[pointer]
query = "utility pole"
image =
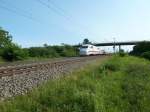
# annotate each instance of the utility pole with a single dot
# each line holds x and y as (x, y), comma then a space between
(114, 46)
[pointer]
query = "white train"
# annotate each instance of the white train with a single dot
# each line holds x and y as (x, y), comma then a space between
(88, 49)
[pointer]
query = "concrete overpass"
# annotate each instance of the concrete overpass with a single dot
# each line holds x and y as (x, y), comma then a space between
(114, 44)
(117, 43)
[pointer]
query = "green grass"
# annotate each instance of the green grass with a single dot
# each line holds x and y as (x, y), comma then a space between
(120, 84)
(1, 61)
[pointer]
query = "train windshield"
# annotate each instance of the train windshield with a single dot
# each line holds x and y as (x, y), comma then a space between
(84, 47)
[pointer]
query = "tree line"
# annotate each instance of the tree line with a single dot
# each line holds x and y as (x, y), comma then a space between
(142, 50)
(11, 51)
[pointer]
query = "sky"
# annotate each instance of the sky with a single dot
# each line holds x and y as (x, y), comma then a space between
(70, 21)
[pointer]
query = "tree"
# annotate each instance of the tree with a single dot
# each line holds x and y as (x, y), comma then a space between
(5, 38)
(13, 52)
(141, 48)
(146, 55)
(8, 50)
(122, 53)
(45, 45)
(86, 41)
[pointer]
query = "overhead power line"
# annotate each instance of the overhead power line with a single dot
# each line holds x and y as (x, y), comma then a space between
(69, 17)
(16, 8)
(51, 8)
(26, 14)
(58, 10)
(18, 11)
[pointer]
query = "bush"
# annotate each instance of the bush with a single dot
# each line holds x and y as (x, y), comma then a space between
(8, 50)
(112, 65)
(122, 53)
(68, 51)
(52, 51)
(135, 86)
(13, 53)
(141, 48)
(146, 55)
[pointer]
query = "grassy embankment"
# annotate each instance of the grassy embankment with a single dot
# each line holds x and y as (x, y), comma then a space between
(121, 84)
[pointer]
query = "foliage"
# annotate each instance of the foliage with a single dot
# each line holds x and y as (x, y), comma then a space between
(141, 48)
(146, 55)
(89, 90)
(68, 51)
(52, 51)
(111, 65)
(8, 50)
(13, 52)
(86, 41)
(5, 38)
(41, 52)
(122, 53)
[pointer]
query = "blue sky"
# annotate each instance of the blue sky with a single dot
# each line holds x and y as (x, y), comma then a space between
(70, 21)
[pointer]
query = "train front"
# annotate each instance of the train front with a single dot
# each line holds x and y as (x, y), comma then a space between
(84, 50)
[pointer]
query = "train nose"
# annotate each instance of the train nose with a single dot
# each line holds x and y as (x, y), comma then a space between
(83, 52)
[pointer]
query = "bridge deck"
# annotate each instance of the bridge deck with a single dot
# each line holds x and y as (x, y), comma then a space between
(117, 43)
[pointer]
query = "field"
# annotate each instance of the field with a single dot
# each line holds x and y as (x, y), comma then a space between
(119, 84)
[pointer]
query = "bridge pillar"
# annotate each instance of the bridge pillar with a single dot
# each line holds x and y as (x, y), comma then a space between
(114, 48)
(119, 48)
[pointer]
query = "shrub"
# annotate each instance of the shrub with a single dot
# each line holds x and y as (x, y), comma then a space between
(112, 66)
(135, 86)
(8, 50)
(45, 52)
(11, 52)
(68, 51)
(52, 51)
(141, 48)
(14, 52)
(122, 53)
(146, 55)
(137, 70)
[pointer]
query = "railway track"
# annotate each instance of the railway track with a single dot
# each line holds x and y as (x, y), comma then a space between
(8, 70)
